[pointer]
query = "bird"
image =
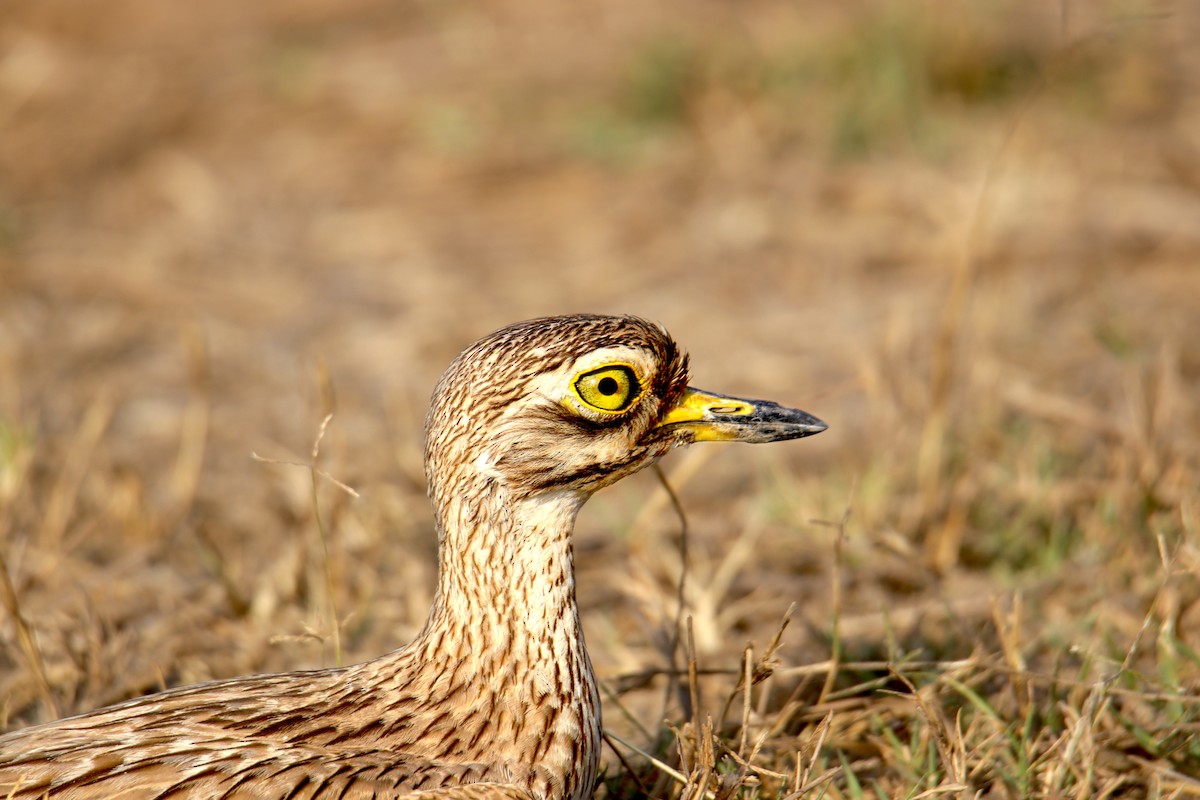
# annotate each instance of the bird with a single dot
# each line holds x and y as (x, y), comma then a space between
(495, 697)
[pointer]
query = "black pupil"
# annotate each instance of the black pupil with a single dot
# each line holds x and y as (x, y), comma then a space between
(608, 386)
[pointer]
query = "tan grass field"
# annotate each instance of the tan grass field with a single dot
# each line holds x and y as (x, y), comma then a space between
(966, 235)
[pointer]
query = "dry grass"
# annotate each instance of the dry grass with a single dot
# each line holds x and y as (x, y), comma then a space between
(965, 235)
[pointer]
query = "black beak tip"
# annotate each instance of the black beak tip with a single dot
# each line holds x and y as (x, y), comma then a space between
(798, 423)
(810, 427)
(775, 423)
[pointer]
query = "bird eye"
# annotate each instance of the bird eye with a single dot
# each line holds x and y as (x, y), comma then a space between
(611, 388)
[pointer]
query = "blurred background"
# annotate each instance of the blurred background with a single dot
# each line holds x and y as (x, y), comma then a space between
(964, 234)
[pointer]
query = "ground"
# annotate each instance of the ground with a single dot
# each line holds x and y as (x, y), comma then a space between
(964, 235)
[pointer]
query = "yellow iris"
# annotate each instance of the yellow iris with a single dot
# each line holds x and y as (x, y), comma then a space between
(610, 388)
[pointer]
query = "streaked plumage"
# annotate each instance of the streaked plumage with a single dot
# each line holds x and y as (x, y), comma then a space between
(495, 698)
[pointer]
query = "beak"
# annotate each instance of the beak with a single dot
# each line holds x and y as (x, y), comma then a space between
(709, 417)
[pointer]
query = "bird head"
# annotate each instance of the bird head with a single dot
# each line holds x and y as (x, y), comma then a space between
(576, 403)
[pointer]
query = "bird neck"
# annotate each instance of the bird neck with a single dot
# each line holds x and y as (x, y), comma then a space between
(504, 635)
(507, 575)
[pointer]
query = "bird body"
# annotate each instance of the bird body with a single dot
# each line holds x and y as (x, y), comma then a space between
(495, 698)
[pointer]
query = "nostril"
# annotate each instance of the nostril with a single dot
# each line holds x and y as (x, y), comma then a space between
(726, 409)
